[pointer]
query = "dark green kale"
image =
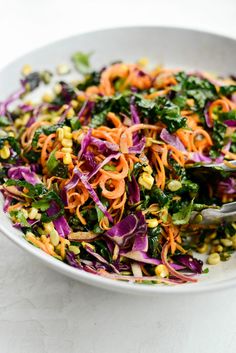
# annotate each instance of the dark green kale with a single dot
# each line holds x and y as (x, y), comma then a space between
(56, 167)
(201, 90)
(41, 197)
(161, 109)
(154, 241)
(91, 79)
(47, 130)
(117, 104)
(158, 196)
(218, 135)
(227, 90)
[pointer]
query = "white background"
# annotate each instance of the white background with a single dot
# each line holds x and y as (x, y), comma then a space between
(44, 312)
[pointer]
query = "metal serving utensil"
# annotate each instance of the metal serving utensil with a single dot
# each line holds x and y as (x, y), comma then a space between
(208, 216)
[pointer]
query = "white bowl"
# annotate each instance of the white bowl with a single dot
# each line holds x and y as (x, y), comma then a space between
(173, 47)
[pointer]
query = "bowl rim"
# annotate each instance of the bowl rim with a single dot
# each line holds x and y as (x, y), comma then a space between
(93, 279)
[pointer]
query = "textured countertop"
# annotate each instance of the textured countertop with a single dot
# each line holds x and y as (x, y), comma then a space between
(42, 311)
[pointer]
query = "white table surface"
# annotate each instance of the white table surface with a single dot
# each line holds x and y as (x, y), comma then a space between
(42, 311)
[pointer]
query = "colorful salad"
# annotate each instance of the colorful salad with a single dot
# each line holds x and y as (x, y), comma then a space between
(104, 173)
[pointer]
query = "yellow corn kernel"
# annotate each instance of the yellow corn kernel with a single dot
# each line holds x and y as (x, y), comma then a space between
(49, 227)
(11, 134)
(67, 159)
(68, 135)
(67, 143)
(47, 97)
(44, 239)
(202, 249)
(67, 128)
(74, 249)
(65, 241)
(54, 237)
(213, 259)
(74, 103)
(67, 150)
(5, 152)
(70, 113)
(25, 119)
(174, 185)
(25, 213)
(77, 135)
(161, 271)
(152, 222)
(81, 98)
(33, 213)
(146, 180)
(60, 134)
(26, 70)
(58, 248)
(63, 69)
(29, 234)
(147, 169)
(57, 88)
(18, 123)
(38, 216)
(55, 119)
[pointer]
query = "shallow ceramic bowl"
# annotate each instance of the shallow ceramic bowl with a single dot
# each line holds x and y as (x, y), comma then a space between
(172, 47)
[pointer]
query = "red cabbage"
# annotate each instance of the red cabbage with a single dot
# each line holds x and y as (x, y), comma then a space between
(198, 157)
(90, 250)
(82, 110)
(192, 264)
(7, 202)
(134, 112)
(184, 278)
(90, 163)
(104, 162)
(138, 147)
(227, 146)
(227, 186)
(133, 190)
(123, 231)
(77, 174)
(35, 114)
(23, 173)
(12, 98)
(141, 239)
(84, 180)
(85, 111)
(25, 108)
(172, 140)
(29, 83)
(140, 256)
(60, 224)
(230, 123)
(104, 146)
(209, 123)
(71, 259)
(130, 233)
(85, 143)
